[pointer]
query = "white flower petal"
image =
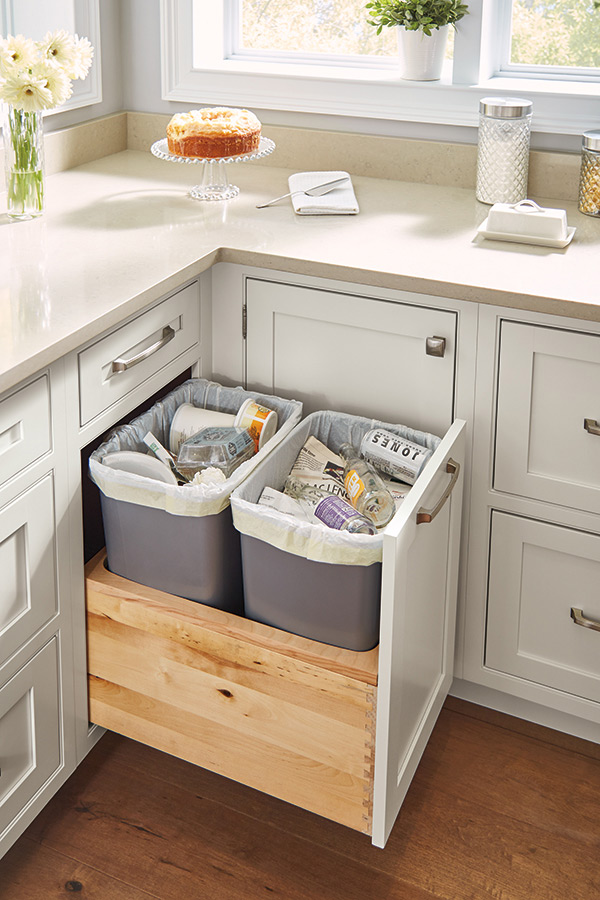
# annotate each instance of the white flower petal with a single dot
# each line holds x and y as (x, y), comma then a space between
(16, 52)
(84, 53)
(58, 47)
(25, 91)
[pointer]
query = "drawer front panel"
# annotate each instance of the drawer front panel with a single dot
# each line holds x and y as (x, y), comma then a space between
(340, 351)
(28, 594)
(124, 359)
(538, 572)
(29, 732)
(24, 427)
(549, 384)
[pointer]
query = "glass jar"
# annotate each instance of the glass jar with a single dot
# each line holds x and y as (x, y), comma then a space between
(589, 179)
(503, 149)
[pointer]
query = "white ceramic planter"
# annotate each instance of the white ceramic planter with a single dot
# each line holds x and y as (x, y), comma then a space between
(421, 55)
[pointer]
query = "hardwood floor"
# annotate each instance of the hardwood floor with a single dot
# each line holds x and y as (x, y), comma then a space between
(499, 809)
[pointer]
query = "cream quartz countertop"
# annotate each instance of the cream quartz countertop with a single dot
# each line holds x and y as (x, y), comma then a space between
(120, 232)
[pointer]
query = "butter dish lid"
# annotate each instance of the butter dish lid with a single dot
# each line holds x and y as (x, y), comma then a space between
(528, 218)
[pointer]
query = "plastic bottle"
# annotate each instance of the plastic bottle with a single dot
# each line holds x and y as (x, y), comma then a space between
(328, 508)
(368, 494)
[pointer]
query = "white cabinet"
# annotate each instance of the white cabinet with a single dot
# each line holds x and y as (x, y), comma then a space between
(534, 540)
(539, 573)
(121, 361)
(364, 355)
(29, 733)
(28, 586)
(36, 678)
(548, 431)
(24, 427)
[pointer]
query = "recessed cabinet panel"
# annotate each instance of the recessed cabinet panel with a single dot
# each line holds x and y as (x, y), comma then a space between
(363, 356)
(125, 358)
(29, 732)
(538, 573)
(28, 596)
(548, 430)
(24, 427)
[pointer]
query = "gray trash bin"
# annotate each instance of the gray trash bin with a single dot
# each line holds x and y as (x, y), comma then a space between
(179, 539)
(300, 577)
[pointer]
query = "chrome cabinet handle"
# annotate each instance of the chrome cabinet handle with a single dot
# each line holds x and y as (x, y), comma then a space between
(121, 365)
(591, 426)
(579, 619)
(424, 516)
(435, 346)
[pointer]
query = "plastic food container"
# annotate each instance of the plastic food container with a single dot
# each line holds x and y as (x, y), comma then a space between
(220, 448)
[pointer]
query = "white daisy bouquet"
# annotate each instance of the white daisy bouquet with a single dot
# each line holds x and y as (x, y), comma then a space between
(34, 75)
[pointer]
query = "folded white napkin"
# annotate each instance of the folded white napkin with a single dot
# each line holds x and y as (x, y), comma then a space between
(339, 201)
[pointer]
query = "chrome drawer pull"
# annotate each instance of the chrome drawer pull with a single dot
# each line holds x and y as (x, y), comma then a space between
(121, 365)
(579, 619)
(424, 516)
(591, 426)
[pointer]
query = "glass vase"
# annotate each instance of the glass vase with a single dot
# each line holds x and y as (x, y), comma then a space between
(23, 162)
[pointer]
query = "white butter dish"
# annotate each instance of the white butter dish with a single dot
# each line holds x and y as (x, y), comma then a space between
(556, 243)
(528, 219)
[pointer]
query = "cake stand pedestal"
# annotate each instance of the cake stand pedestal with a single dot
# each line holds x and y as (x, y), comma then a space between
(215, 184)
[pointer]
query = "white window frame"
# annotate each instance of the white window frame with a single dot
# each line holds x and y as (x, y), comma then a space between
(564, 107)
(86, 15)
(504, 67)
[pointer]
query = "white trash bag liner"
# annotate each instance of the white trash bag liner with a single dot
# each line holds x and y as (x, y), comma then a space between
(313, 540)
(190, 499)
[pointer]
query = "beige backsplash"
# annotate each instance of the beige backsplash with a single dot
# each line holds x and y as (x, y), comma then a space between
(551, 175)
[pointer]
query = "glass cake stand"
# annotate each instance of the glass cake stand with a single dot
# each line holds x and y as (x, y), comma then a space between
(214, 185)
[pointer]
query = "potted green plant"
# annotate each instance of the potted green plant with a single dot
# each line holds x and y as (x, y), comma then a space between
(422, 32)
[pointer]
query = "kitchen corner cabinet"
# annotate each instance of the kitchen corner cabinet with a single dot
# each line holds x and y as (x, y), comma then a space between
(310, 724)
(533, 613)
(44, 425)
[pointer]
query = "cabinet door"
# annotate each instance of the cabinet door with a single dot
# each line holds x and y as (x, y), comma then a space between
(28, 594)
(339, 351)
(29, 732)
(538, 573)
(418, 617)
(548, 387)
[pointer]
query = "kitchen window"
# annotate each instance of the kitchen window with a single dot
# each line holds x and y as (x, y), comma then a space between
(211, 55)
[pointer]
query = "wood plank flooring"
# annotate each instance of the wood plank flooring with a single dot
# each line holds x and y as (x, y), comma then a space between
(499, 809)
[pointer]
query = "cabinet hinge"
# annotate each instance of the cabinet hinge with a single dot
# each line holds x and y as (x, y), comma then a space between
(244, 321)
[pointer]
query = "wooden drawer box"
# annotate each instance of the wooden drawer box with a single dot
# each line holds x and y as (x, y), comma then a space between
(283, 714)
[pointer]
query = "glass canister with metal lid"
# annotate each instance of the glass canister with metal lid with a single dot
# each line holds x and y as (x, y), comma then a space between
(589, 178)
(503, 149)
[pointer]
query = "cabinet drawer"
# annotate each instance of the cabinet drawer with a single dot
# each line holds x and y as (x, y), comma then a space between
(283, 714)
(363, 355)
(538, 571)
(29, 732)
(24, 427)
(280, 713)
(124, 359)
(548, 386)
(28, 595)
